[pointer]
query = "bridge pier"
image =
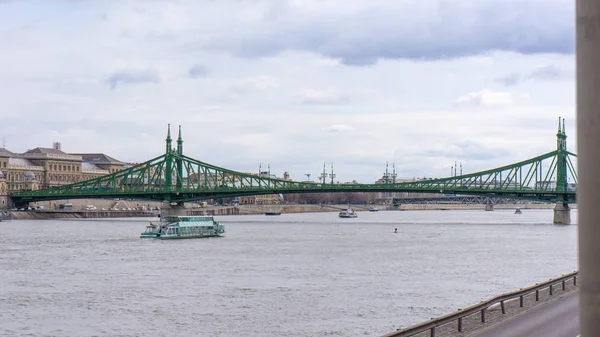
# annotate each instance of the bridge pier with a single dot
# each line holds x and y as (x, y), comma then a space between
(489, 205)
(562, 214)
(167, 209)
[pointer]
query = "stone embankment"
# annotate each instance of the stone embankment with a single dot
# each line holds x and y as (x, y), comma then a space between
(262, 209)
(41, 215)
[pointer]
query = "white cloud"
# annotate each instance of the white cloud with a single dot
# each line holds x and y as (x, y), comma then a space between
(486, 97)
(424, 29)
(179, 62)
(198, 70)
(133, 75)
(261, 82)
(311, 96)
(338, 128)
(546, 72)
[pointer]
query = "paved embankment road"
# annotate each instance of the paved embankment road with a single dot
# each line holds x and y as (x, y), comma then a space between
(559, 318)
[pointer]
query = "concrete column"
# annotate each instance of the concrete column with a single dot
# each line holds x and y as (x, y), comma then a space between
(588, 143)
(562, 214)
(166, 209)
(489, 206)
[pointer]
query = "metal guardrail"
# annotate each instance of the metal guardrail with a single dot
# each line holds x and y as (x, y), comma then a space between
(482, 307)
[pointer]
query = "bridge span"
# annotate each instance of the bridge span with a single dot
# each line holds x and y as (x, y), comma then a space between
(175, 178)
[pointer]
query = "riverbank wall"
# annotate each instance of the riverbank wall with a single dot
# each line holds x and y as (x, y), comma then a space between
(40, 215)
(262, 209)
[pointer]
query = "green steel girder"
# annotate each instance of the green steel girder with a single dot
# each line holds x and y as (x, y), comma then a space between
(175, 177)
(198, 180)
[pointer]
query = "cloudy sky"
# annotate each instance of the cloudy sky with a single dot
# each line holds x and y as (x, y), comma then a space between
(292, 83)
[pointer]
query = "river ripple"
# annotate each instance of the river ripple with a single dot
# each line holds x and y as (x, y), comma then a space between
(292, 275)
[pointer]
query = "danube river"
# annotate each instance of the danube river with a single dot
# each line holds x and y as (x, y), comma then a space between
(309, 274)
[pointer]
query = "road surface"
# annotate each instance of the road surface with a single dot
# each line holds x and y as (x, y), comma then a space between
(559, 318)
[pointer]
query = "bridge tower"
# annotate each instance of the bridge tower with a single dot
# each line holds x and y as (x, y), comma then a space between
(167, 208)
(168, 163)
(179, 161)
(562, 212)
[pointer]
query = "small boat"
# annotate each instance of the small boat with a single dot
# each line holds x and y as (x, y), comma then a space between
(373, 209)
(347, 213)
(273, 213)
(184, 227)
(5, 216)
(518, 211)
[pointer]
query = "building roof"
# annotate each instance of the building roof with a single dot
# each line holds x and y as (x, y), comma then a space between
(98, 158)
(44, 150)
(21, 162)
(5, 153)
(87, 166)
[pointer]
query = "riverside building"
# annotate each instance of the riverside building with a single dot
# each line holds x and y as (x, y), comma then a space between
(47, 167)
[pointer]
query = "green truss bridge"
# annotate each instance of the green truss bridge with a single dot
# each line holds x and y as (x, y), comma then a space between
(176, 178)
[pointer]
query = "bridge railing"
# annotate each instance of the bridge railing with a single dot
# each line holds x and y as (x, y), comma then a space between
(482, 307)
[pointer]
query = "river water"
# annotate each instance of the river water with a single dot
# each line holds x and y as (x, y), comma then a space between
(310, 274)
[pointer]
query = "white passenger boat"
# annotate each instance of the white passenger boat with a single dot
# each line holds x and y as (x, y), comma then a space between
(184, 227)
(348, 213)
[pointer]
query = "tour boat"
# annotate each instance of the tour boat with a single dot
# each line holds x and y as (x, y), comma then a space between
(184, 227)
(347, 213)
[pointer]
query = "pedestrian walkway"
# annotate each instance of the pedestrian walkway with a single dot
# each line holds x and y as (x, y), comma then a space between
(472, 325)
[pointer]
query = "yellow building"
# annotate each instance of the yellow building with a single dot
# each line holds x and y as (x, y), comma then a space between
(47, 167)
(3, 192)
